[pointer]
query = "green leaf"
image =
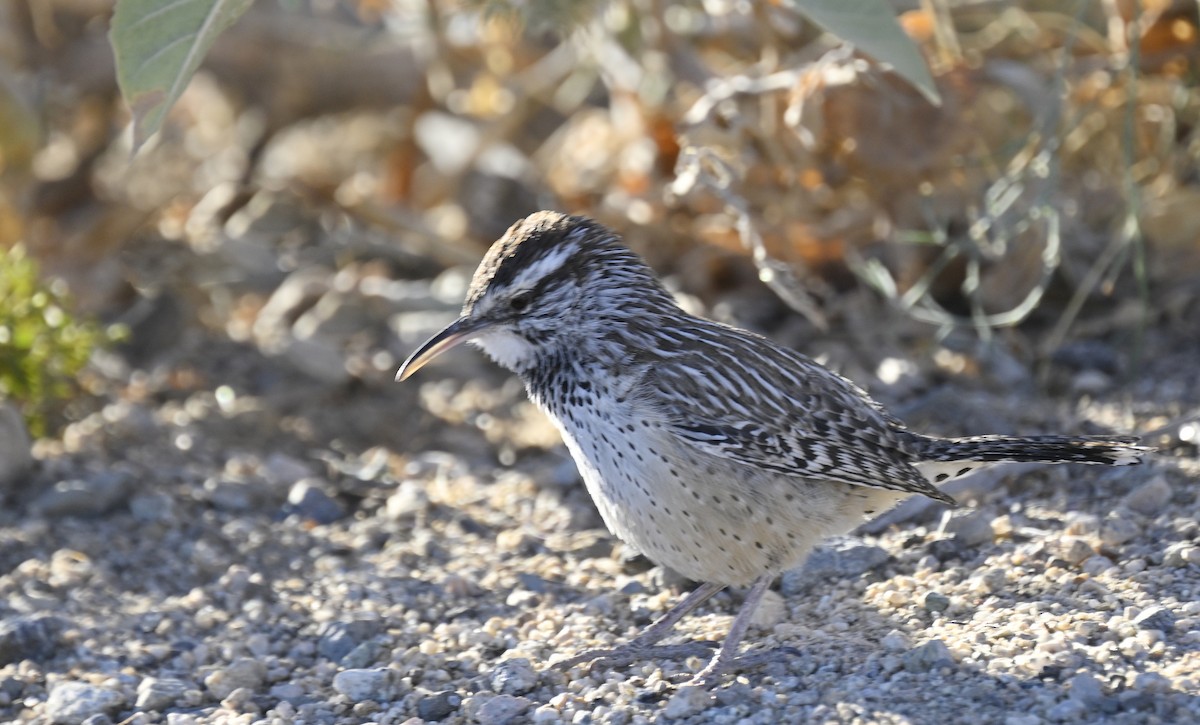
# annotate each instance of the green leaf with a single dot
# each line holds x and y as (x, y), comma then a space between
(870, 26)
(158, 45)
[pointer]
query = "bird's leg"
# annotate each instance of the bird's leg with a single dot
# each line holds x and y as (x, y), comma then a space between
(643, 645)
(727, 655)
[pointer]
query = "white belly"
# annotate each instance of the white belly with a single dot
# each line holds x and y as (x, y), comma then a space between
(706, 517)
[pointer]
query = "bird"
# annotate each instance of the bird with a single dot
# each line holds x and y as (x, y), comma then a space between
(709, 449)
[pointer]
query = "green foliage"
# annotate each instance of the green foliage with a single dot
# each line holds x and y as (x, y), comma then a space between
(42, 348)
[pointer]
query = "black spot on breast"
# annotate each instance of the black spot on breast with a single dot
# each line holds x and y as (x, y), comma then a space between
(941, 477)
(965, 471)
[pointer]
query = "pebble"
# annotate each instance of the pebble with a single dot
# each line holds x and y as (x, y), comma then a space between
(71, 703)
(771, 610)
(687, 701)
(339, 638)
(1149, 498)
(31, 637)
(90, 496)
(971, 529)
(833, 560)
(932, 655)
(364, 684)
(318, 358)
(936, 602)
(1086, 690)
(1117, 531)
(438, 705)
(242, 672)
(1075, 550)
(500, 710)
(408, 499)
(1181, 553)
(1156, 617)
(308, 499)
(16, 452)
(1067, 711)
(159, 693)
(894, 641)
(514, 677)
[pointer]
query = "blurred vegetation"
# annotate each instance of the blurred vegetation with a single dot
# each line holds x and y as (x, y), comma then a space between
(1057, 187)
(42, 348)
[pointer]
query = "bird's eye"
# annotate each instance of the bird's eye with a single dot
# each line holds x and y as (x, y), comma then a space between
(520, 301)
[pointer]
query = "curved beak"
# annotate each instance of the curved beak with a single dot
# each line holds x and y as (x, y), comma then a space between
(454, 334)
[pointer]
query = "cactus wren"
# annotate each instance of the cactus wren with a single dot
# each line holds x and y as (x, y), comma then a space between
(710, 449)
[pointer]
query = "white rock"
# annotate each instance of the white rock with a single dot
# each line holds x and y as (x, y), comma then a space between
(687, 701)
(73, 702)
(364, 684)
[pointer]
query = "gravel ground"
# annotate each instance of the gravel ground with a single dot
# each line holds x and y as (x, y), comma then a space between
(248, 533)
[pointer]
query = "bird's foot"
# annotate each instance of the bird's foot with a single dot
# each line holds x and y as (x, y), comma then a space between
(634, 652)
(717, 668)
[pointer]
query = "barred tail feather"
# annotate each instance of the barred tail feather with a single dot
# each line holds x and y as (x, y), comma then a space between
(1105, 450)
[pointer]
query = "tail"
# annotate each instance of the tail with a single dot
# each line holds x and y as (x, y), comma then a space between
(1105, 450)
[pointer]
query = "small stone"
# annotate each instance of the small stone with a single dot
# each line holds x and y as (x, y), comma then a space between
(409, 499)
(833, 560)
(514, 677)
(1151, 683)
(1086, 690)
(242, 672)
(687, 701)
(71, 703)
(771, 610)
(83, 497)
(361, 656)
(289, 692)
(1156, 617)
(338, 639)
(945, 549)
(364, 684)
(932, 655)
(159, 693)
(1117, 531)
(233, 494)
(972, 529)
(240, 700)
(1080, 523)
(1022, 720)
(280, 469)
(936, 602)
(1075, 550)
(1149, 498)
(30, 637)
(152, 507)
(501, 710)
(308, 499)
(1090, 382)
(1181, 553)
(439, 705)
(894, 641)
(1096, 565)
(1067, 711)
(319, 358)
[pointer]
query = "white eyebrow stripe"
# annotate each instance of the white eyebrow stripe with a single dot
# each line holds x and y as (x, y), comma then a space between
(529, 276)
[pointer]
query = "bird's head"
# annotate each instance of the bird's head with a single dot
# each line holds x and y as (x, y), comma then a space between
(547, 279)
